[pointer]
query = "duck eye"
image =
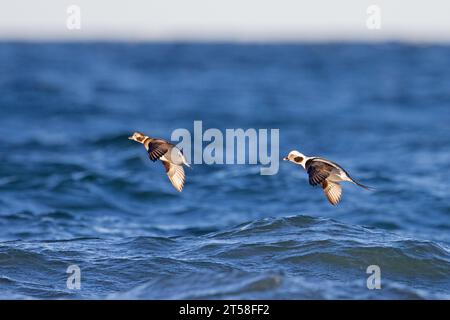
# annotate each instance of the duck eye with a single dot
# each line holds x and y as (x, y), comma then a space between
(298, 159)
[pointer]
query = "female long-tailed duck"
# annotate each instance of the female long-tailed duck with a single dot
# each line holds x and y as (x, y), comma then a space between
(325, 173)
(171, 157)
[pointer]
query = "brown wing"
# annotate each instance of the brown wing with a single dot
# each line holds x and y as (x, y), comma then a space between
(175, 174)
(333, 191)
(157, 148)
(318, 172)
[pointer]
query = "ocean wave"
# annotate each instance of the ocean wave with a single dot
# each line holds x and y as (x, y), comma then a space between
(293, 257)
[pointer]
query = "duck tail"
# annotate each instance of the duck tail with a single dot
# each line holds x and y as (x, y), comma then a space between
(363, 186)
(187, 164)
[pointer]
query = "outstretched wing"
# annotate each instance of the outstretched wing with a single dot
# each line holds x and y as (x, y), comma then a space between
(157, 148)
(333, 191)
(175, 174)
(318, 172)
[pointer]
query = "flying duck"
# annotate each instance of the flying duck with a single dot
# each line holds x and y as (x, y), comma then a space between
(171, 157)
(325, 173)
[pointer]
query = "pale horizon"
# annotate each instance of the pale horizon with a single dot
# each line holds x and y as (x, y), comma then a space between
(207, 20)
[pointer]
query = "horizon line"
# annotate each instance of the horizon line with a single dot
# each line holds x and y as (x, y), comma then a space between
(231, 40)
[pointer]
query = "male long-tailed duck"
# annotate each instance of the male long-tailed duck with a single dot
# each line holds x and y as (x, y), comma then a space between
(325, 173)
(171, 157)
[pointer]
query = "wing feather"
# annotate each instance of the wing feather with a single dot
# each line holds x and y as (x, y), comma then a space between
(157, 148)
(318, 172)
(176, 174)
(333, 191)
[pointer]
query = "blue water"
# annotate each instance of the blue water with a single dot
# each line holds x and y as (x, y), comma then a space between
(74, 190)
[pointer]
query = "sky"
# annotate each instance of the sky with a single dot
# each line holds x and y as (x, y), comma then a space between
(229, 20)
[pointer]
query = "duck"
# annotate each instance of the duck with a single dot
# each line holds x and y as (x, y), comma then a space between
(326, 173)
(171, 157)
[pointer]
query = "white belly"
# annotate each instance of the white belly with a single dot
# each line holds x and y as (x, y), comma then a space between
(338, 176)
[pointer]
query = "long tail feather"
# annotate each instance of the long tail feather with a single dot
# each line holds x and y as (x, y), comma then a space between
(363, 186)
